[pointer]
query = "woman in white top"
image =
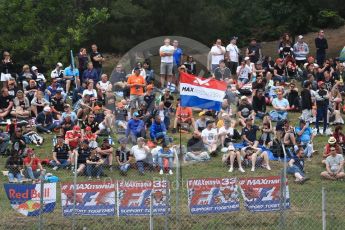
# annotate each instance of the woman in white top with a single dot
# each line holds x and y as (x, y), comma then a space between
(89, 89)
(104, 85)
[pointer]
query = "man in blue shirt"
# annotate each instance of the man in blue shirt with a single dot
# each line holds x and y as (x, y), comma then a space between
(177, 56)
(90, 73)
(135, 128)
(305, 137)
(158, 129)
(71, 75)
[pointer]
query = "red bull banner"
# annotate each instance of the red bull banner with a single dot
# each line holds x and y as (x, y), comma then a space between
(214, 195)
(91, 199)
(262, 194)
(25, 198)
(134, 198)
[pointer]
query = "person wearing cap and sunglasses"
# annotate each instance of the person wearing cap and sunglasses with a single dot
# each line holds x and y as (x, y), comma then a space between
(334, 166)
(61, 154)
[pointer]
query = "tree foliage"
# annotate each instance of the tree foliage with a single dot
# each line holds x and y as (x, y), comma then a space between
(43, 31)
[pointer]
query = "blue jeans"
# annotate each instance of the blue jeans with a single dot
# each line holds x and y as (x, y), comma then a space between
(124, 168)
(11, 177)
(294, 169)
(170, 159)
(321, 114)
(41, 128)
(94, 170)
(63, 163)
(140, 166)
(278, 115)
(29, 173)
(243, 80)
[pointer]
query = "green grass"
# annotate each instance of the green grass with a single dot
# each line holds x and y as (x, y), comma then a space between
(305, 212)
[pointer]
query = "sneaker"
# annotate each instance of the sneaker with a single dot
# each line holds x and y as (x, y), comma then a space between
(253, 169)
(231, 169)
(170, 172)
(241, 170)
(161, 172)
(89, 178)
(55, 168)
(268, 168)
(98, 178)
(49, 131)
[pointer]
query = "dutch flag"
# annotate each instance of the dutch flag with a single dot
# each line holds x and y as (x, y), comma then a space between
(205, 93)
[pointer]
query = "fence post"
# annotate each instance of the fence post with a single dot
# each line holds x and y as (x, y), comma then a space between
(151, 211)
(323, 208)
(40, 227)
(167, 198)
(178, 184)
(74, 189)
(283, 191)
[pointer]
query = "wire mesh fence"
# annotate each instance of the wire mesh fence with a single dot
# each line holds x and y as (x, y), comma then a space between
(168, 202)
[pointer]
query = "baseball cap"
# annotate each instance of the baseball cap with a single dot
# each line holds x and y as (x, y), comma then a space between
(76, 128)
(136, 68)
(300, 37)
(234, 38)
(47, 109)
(202, 113)
(88, 128)
(246, 58)
(59, 64)
(33, 68)
(136, 114)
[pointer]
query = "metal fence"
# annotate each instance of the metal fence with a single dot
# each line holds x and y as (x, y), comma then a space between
(309, 209)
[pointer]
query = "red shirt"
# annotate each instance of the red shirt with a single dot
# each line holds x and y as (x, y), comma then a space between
(71, 135)
(34, 164)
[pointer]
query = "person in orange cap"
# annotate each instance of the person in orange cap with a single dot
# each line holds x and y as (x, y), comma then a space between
(149, 98)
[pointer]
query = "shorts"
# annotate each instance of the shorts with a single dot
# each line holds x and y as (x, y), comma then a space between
(166, 68)
(136, 100)
(5, 76)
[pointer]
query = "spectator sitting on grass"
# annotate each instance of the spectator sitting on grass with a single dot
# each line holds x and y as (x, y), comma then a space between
(165, 153)
(334, 166)
(256, 157)
(82, 153)
(332, 142)
(296, 167)
(210, 137)
(201, 122)
(94, 165)
(158, 130)
(135, 128)
(196, 150)
(106, 152)
(140, 153)
(14, 164)
(123, 156)
(281, 106)
(44, 121)
(61, 154)
(33, 168)
(73, 137)
(305, 137)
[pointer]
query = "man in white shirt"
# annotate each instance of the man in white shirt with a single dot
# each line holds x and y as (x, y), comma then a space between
(57, 73)
(243, 72)
(217, 54)
(232, 55)
(210, 137)
(166, 53)
(334, 166)
(140, 153)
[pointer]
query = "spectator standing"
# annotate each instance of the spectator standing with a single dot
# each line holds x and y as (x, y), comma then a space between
(82, 60)
(7, 68)
(166, 53)
(254, 51)
(97, 59)
(322, 102)
(217, 54)
(177, 57)
(321, 47)
(301, 51)
(232, 55)
(136, 82)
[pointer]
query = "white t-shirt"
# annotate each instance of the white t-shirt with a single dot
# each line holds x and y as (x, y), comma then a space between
(167, 49)
(229, 130)
(104, 86)
(138, 153)
(233, 52)
(217, 54)
(211, 135)
(88, 92)
(243, 72)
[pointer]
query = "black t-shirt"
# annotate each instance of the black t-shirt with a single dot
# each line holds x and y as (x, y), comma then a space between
(259, 104)
(221, 74)
(5, 101)
(12, 92)
(94, 158)
(61, 151)
(93, 125)
(280, 70)
(123, 154)
(195, 144)
(255, 48)
(250, 133)
(329, 84)
(83, 154)
(110, 103)
(58, 104)
(96, 64)
(149, 99)
(245, 110)
(299, 162)
(167, 100)
(14, 164)
(121, 114)
(18, 143)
